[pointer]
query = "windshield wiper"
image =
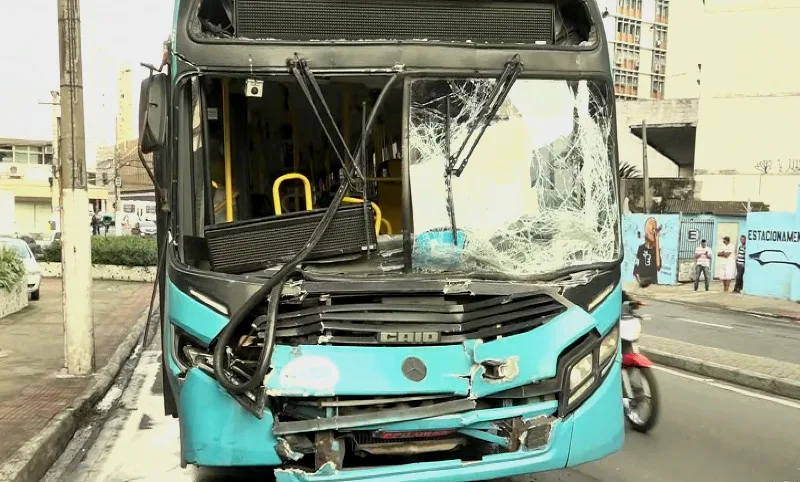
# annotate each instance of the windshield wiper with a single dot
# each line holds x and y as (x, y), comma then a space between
(305, 77)
(488, 110)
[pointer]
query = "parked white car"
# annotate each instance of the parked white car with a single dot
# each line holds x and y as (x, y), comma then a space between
(31, 266)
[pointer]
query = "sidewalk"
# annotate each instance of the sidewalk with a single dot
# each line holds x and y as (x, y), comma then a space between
(32, 388)
(773, 376)
(716, 298)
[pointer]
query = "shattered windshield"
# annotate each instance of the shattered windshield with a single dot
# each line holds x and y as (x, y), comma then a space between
(539, 193)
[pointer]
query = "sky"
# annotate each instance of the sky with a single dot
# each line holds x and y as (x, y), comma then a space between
(114, 33)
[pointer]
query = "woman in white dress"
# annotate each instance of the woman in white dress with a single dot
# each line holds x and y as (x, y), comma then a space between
(728, 260)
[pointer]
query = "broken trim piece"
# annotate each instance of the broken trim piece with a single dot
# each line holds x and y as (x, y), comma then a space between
(350, 421)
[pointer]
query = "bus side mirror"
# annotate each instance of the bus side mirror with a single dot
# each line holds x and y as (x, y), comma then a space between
(153, 110)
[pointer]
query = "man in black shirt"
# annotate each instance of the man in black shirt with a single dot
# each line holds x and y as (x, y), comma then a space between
(740, 265)
(648, 257)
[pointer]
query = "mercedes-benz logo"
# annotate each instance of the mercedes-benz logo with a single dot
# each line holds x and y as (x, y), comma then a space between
(414, 369)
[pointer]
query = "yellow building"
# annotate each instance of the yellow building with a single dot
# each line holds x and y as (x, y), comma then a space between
(26, 171)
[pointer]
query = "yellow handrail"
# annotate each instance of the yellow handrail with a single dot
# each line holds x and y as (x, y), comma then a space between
(276, 194)
(387, 225)
(226, 125)
(375, 208)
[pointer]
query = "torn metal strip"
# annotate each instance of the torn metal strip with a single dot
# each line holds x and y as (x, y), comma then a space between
(351, 421)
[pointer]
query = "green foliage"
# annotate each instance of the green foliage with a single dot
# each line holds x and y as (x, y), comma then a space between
(116, 250)
(627, 171)
(12, 271)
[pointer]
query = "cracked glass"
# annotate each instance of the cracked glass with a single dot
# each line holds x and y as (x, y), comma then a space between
(538, 194)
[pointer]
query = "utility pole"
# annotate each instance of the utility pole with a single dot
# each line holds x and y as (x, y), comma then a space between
(645, 176)
(75, 243)
(118, 214)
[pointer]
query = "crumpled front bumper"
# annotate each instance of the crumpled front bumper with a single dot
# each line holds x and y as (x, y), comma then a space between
(594, 430)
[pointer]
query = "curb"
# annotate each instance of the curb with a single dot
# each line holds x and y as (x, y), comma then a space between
(795, 318)
(783, 387)
(32, 461)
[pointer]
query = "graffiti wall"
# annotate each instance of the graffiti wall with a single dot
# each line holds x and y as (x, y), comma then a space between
(650, 243)
(772, 258)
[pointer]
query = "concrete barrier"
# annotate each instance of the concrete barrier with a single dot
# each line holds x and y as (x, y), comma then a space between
(14, 300)
(107, 272)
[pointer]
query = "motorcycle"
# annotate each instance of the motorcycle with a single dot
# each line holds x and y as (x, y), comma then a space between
(639, 388)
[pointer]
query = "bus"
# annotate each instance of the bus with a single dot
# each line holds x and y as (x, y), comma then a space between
(390, 234)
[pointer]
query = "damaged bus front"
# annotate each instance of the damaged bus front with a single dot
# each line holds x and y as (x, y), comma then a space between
(390, 237)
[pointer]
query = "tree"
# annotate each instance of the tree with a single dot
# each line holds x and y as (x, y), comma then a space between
(628, 171)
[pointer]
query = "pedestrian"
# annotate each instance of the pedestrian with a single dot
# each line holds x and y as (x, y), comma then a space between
(95, 224)
(106, 223)
(728, 260)
(702, 256)
(740, 265)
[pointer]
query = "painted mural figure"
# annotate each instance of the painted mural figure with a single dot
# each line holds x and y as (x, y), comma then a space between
(702, 256)
(740, 265)
(648, 257)
(728, 262)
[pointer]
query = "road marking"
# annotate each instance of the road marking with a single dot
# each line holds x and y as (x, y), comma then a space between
(731, 388)
(687, 320)
(769, 318)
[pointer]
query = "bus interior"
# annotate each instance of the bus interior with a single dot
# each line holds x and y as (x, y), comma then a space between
(268, 148)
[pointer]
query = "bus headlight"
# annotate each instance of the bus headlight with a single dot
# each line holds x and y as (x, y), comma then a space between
(579, 377)
(586, 373)
(608, 347)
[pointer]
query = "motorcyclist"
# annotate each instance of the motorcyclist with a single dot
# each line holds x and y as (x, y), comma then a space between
(631, 302)
(627, 297)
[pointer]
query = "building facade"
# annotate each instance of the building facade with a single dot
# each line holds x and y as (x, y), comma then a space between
(135, 182)
(637, 34)
(28, 174)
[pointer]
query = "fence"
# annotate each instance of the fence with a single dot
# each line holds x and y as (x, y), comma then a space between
(692, 232)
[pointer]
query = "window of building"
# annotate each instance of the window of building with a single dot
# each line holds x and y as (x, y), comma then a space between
(660, 37)
(626, 84)
(6, 153)
(659, 63)
(626, 57)
(628, 30)
(24, 154)
(630, 8)
(658, 88)
(662, 11)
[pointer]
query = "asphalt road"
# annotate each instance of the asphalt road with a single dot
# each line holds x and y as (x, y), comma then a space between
(708, 431)
(737, 332)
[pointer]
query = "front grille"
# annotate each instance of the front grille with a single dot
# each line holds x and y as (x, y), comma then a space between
(349, 321)
(441, 20)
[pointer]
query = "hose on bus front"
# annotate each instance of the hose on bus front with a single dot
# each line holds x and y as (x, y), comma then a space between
(273, 287)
